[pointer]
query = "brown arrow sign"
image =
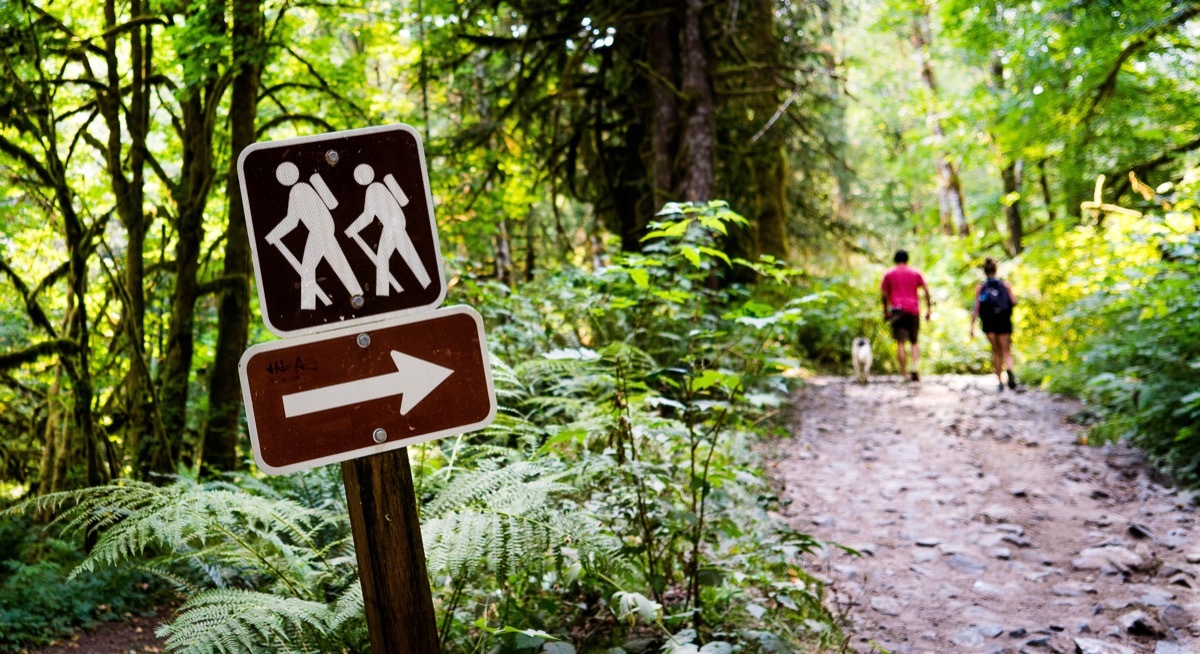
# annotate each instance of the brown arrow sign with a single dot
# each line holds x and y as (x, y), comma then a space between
(335, 396)
(341, 228)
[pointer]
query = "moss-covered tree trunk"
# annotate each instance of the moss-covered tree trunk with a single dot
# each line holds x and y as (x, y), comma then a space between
(142, 428)
(1011, 174)
(198, 106)
(221, 427)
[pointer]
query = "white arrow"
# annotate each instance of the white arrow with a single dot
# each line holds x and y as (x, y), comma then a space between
(414, 379)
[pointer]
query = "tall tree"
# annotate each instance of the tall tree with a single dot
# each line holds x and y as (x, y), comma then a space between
(950, 195)
(636, 104)
(125, 110)
(1011, 173)
(35, 54)
(199, 97)
(221, 428)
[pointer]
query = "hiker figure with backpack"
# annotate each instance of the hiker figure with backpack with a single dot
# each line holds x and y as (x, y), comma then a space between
(994, 302)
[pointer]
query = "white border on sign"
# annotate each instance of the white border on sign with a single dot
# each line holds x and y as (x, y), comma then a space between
(252, 425)
(362, 320)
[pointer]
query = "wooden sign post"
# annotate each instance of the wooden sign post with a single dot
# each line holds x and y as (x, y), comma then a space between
(391, 559)
(349, 274)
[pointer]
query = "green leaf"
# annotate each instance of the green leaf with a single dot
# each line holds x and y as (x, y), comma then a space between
(716, 253)
(674, 296)
(630, 604)
(706, 379)
(673, 229)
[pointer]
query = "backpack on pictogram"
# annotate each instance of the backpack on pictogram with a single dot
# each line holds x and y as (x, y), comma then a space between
(994, 299)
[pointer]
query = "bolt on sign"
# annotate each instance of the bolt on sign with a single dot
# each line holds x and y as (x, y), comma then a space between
(341, 228)
(334, 396)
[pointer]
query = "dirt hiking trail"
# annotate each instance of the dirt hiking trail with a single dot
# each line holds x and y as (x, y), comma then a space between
(984, 525)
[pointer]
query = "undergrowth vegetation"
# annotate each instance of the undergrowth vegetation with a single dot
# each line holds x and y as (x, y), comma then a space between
(617, 499)
(39, 599)
(1116, 320)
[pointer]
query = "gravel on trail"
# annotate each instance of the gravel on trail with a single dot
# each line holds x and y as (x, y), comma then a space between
(985, 525)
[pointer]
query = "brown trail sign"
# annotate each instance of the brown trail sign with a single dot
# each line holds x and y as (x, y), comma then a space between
(341, 227)
(334, 396)
(349, 272)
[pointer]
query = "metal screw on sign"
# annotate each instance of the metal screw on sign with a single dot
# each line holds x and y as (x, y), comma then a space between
(380, 435)
(357, 301)
(332, 157)
(363, 340)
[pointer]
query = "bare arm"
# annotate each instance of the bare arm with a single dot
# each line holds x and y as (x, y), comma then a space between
(1012, 297)
(975, 311)
(928, 302)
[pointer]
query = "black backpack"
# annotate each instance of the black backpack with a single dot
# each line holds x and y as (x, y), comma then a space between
(994, 300)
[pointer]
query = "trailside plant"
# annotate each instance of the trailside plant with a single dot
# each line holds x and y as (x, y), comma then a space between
(616, 498)
(41, 602)
(1116, 320)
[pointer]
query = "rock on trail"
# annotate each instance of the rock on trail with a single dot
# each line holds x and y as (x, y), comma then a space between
(984, 525)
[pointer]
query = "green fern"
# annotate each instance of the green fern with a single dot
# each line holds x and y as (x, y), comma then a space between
(506, 519)
(228, 621)
(259, 567)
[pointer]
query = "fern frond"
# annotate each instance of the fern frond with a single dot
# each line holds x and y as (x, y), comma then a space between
(509, 385)
(635, 360)
(348, 607)
(480, 485)
(508, 424)
(226, 621)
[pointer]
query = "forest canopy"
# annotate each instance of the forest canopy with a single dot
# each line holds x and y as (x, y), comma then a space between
(598, 168)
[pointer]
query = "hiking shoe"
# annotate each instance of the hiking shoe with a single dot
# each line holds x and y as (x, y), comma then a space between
(999, 388)
(1012, 380)
(915, 377)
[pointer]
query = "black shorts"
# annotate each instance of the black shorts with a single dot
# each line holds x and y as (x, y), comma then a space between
(997, 324)
(905, 326)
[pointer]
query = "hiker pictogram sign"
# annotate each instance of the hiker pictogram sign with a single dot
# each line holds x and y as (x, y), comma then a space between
(341, 228)
(339, 395)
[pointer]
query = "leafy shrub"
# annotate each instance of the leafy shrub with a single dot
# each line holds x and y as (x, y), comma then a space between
(41, 601)
(1119, 325)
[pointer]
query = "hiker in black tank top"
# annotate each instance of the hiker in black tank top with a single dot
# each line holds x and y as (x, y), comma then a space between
(994, 302)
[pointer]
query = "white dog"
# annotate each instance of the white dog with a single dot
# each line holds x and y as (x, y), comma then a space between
(860, 353)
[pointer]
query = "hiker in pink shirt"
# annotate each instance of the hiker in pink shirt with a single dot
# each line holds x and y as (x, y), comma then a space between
(902, 309)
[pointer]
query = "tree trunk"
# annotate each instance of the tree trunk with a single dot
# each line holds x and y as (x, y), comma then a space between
(189, 227)
(661, 36)
(699, 125)
(221, 428)
(56, 452)
(771, 187)
(950, 197)
(78, 364)
(503, 254)
(1011, 175)
(1044, 183)
(768, 156)
(198, 105)
(143, 424)
(530, 243)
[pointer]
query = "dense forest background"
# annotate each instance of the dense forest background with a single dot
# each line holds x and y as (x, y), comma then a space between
(668, 213)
